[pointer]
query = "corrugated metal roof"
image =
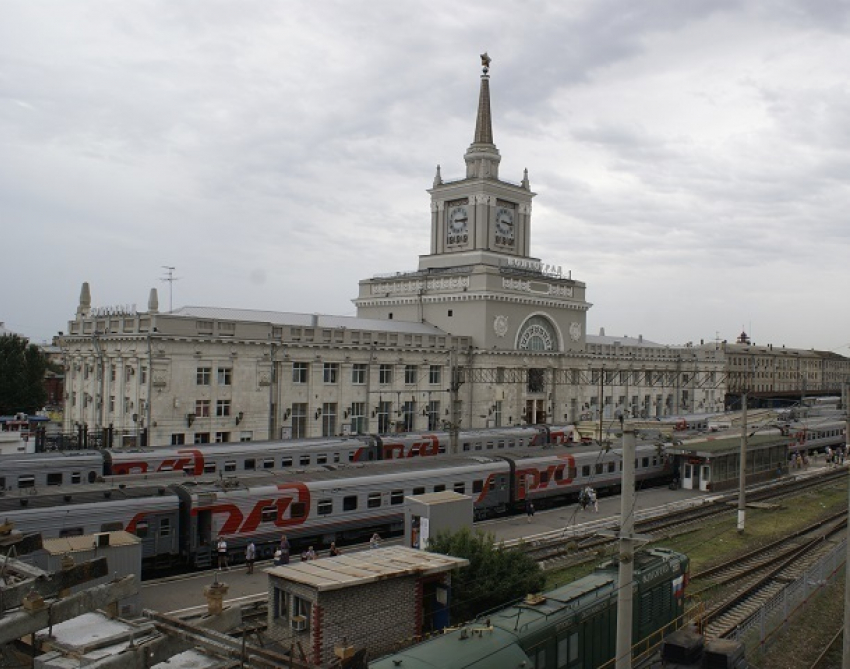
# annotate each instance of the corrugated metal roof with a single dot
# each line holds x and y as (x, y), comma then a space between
(306, 320)
(366, 567)
(86, 542)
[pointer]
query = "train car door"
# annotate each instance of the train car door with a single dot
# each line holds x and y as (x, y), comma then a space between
(568, 655)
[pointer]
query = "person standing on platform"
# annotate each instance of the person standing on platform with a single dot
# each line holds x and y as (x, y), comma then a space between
(250, 556)
(375, 541)
(334, 551)
(529, 510)
(221, 549)
(284, 549)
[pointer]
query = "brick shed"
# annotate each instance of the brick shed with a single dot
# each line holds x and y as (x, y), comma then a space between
(377, 600)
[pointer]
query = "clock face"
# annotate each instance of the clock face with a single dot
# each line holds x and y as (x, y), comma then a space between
(457, 225)
(504, 225)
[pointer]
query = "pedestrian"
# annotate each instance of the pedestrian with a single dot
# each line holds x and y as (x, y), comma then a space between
(594, 501)
(334, 551)
(221, 549)
(375, 541)
(529, 510)
(284, 549)
(278, 558)
(311, 554)
(250, 556)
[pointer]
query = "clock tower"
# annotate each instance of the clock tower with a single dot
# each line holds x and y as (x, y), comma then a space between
(479, 279)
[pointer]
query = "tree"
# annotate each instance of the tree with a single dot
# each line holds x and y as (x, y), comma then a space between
(495, 575)
(22, 367)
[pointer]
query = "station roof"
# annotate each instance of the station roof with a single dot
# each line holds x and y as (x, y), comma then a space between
(439, 497)
(714, 446)
(364, 567)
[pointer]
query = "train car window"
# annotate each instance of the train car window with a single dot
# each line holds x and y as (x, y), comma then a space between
(92, 477)
(645, 462)
(598, 468)
(349, 503)
(304, 461)
(544, 477)
(71, 532)
(298, 510)
(540, 658)
(477, 485)
(209, 468)
(188, 469)
(2, 482)
(26, 481)
(268, 514)
(562, 654)
(460, 488)
(419, 491)
(250, 463)
(397, 497)
(559, 474)
(286, 462)
(166, 468)
(585, 470)
(612, 466)
(466, 446)
(439, 488)
(165, 527)
(478, 446)
(490, 446)
(442, 448)
(268, 463)
(54, 478)
(230, 465)
(336, 457)
(111, 527)
(325, 507)
(76, 477)
(655, 460)
(500, 444)
(374, 500)
(322, 459)
(142, 529)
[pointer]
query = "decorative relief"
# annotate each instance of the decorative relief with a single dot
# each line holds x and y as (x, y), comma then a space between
(525, 208)
(536, 287)
(444, 283)
(483, 199)
(575, 331)
(500, 325)
(561, 291)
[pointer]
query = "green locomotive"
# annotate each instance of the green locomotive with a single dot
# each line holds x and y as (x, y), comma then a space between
(571, 627)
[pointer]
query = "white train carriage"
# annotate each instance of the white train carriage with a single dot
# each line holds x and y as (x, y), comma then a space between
(816, 435)
(22, 471)
(151, 512)
(239, 457)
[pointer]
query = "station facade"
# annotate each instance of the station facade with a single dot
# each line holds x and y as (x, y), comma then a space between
(480, 334)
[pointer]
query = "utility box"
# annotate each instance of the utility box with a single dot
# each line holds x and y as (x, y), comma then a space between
(427, 515)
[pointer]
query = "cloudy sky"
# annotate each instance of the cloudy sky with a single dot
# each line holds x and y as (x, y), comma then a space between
(690, 157)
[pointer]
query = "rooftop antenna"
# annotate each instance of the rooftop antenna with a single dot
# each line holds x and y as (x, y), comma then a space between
(170, 279)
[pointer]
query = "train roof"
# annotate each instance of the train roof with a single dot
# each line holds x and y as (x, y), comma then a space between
(242, 447)
(60, 496)
(50, 457)
(492, 640)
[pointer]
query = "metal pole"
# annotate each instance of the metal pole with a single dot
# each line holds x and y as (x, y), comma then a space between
(845, 660)
(742, 473)
(627, 553)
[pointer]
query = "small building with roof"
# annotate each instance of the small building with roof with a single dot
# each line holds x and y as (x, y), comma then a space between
(711, 463)
(373, 601)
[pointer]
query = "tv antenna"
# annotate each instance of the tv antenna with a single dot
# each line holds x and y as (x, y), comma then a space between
(170, 278)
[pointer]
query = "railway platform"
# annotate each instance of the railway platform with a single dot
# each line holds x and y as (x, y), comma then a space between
(184, 595)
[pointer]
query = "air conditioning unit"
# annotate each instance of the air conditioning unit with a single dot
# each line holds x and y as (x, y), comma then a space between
(299, 623)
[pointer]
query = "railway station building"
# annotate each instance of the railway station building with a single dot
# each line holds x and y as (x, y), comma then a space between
(481, 333)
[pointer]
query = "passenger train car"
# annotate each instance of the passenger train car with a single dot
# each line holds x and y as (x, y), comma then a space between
(63, 467)
(571, 627)
(179, 518)
(818, 434)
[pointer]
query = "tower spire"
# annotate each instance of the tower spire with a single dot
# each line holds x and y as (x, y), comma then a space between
(482, 157)
(484, 121)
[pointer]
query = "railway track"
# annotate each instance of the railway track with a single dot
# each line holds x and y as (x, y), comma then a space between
(575, 545)
(751, 580)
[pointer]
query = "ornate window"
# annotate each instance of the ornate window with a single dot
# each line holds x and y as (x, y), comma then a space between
(537, 334)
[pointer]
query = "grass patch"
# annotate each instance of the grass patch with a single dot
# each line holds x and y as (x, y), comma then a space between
(716, 541)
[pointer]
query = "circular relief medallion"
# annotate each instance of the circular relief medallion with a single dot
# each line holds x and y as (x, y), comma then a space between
(575, 331)
(500, 325)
